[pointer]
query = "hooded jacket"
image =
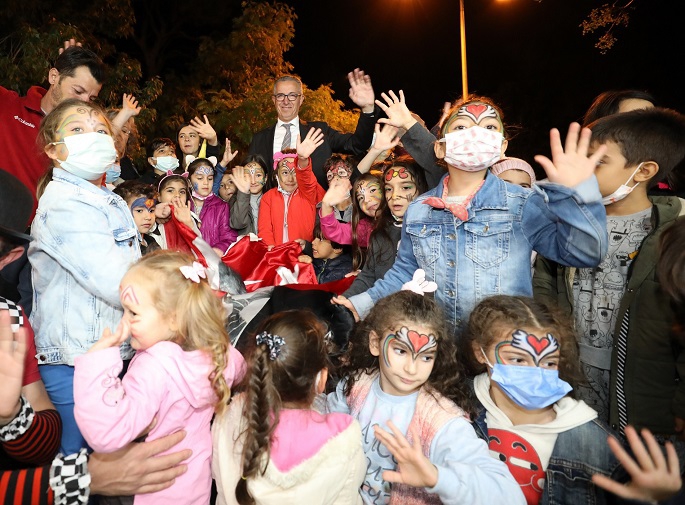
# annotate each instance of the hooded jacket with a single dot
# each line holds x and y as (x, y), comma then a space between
(315, 458)
(163, 381)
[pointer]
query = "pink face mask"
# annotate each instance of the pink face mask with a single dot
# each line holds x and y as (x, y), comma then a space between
(473, 149)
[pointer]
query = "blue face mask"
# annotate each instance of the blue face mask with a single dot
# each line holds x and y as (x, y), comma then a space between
(113, 173)
(531, 387)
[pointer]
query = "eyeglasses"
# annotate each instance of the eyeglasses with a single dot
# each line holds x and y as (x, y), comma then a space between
(280, 97)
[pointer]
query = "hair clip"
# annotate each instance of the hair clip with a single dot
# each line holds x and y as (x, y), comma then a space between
(273, 342)
(278, 157)
(193, 272)
(419, 284)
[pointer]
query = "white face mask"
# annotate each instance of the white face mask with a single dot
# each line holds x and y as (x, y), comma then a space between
(90, 155)
(167, 163)
(622, 191)
(473, 149)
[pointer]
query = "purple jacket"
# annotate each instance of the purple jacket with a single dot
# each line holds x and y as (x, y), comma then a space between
(215, 217)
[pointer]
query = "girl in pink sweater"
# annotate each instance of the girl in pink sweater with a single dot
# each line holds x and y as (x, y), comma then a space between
(181, 374)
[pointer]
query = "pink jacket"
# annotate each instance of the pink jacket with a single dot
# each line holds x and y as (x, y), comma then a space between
(215, 227)
(163, 381)
(341, 233)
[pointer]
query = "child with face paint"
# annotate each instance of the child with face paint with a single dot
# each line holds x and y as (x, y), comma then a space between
(181, 374)
(526, 358)
(366, 199)
(272, 446)
(84, 240)
(288, 211)
(250, 181)
(214, 213)
(402, 181)
(401, 374)
(474, 234)
(142, 200)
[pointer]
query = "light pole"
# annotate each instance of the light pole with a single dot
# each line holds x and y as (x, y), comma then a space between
(462, 31)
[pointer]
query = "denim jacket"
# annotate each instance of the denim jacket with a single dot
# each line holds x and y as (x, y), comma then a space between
(578, 454)
(84, 241)
(489, 253)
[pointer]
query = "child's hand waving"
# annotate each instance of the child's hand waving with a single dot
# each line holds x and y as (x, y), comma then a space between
(312, 140)
(130, 105)
(386, 137)
(570, 165)
(653, 477)
(241, 179)
(414, 469)
(338, 191)
(205, 130)
(115, 339)
(12, 354)
(228, 155)
(396, 110)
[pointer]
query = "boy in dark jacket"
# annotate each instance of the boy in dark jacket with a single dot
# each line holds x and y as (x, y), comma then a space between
(633, 362)
(332, 261)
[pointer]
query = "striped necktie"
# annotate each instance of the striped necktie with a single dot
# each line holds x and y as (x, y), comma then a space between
(288, 137)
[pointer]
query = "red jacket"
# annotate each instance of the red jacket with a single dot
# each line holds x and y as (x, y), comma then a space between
(301, 210)
(20, 118)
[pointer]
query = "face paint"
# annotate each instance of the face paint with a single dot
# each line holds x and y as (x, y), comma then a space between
(205, 170)
(147, 203)
(400, 172)
(476, 112)
(538, 348)
(340, 170)
(129, 295)
(414, 341)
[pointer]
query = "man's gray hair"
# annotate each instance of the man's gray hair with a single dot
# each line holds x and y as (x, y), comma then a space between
(287, 78)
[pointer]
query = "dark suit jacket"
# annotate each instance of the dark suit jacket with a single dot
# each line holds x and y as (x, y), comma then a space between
(356, 143)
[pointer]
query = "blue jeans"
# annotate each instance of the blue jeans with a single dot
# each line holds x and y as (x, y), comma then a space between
(59, 383)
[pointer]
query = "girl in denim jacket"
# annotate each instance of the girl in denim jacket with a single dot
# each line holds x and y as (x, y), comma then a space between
(524, 357)
(474, 234)
(84, 240)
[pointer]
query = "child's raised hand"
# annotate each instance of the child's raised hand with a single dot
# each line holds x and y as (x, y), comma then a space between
(653, 477)
(182, 211)
(386, 137)
(570, 165)
(129, 104)
(228, 155)
(162, 211)
(361, 90)
(69, 43)
(12, 355)
(241, 179)
(396, 110)
(109, 339)
(312, 140)
(205, 130)
(338, 191)
(413, 467)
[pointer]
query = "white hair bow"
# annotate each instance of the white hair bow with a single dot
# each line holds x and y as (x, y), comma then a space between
(419, 284)
(194, 272)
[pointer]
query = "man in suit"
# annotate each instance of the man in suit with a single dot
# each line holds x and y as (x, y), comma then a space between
(288, 98)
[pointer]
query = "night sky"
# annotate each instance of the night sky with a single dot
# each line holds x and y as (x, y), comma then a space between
(529, 56)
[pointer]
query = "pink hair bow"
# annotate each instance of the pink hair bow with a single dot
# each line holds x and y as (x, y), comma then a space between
(194, 272)
(278, 157)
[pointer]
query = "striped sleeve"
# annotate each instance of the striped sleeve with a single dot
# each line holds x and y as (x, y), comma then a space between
(30, 485)
(40, 443)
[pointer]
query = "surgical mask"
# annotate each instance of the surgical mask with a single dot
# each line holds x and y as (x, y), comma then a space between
(113, 173)
(167, 163)
(473, 149)
(530, 387)
(622, 191)
(90, 155)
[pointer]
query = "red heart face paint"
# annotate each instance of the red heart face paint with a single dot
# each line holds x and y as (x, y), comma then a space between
(415, 342)
(537, 348)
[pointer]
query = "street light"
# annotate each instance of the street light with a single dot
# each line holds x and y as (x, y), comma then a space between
(462, 31)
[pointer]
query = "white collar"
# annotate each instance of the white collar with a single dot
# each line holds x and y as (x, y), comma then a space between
(295, 122)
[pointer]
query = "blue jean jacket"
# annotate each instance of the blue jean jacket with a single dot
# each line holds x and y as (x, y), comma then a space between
(84, 241)
(489, 253)
(578, 454)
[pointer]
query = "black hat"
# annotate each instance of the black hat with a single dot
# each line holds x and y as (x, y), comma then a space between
(16, 208)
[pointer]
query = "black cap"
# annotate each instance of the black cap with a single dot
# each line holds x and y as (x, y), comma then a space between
(16, 208)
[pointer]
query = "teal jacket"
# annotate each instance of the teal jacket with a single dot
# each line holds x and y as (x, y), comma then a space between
(654, 379)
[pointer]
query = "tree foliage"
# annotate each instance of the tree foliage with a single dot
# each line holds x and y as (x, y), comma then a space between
(605, 20)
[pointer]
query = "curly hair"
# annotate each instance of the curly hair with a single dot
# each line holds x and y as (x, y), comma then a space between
(198, 311)
(447, 377)
(269, 383)
(358, 215)
(497, 315)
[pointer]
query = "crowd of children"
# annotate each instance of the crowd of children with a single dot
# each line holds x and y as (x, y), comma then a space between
(470, 377)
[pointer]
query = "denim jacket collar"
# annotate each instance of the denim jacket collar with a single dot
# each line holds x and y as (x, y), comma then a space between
(59, 174)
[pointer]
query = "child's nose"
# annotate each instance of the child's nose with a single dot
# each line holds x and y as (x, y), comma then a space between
(410, 365)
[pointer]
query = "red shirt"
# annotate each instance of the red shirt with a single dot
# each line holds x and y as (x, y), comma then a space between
(20, 119)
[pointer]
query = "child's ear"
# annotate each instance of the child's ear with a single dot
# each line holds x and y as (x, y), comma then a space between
(475, 348)
(505, 144)
(321, 383)
(151, 160)
(51, 151)
(647, 171)
(439, 148)
(374, 343)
